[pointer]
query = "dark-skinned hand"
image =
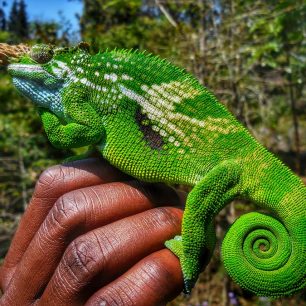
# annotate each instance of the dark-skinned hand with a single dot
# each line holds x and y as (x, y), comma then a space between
(94, 236)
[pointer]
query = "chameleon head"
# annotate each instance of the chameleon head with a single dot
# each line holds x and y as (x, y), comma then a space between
(43, 73)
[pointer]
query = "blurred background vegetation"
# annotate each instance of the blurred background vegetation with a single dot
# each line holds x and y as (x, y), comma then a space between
(251, 54)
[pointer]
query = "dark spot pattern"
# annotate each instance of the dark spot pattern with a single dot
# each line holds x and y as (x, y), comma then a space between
(153, 139)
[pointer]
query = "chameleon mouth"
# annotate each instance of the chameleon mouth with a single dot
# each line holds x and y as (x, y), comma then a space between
(24, 70)
(36, 74)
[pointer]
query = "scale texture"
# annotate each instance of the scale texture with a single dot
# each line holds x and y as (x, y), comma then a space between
(157, 123)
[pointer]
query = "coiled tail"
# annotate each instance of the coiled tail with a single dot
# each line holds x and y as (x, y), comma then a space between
(266, 256)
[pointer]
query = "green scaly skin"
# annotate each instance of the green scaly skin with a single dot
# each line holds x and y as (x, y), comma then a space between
(155, 122)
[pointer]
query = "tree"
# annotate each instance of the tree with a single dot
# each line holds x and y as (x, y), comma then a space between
(2, 17)
(18, 24)
(13, 19)
(23, 21)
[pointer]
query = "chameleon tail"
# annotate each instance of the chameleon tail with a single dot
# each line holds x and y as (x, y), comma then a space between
(265, 257)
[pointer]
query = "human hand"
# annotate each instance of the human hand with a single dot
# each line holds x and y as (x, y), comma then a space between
(91, 235)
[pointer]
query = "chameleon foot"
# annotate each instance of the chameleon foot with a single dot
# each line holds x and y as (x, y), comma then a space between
(175, 246)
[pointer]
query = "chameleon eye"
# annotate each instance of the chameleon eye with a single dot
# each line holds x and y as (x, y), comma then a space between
(42, 54)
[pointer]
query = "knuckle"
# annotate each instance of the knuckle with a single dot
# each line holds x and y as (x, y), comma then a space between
(50, 178)
(66, 208)
(82, 256)
(155, 271)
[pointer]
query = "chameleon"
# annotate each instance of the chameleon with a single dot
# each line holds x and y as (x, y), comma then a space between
(157, 123)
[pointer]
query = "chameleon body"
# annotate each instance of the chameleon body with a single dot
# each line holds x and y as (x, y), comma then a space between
(157, 123)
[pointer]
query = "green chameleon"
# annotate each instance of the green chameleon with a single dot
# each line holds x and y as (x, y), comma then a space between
(157, 123)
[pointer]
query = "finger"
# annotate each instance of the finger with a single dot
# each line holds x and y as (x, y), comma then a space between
(53, 183)
(155, 280)
(76, 213)
(103, 254)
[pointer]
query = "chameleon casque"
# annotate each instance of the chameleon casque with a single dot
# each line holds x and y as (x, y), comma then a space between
(157, 123)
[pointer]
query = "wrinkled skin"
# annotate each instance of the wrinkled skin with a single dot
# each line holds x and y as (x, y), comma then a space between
(93, 236)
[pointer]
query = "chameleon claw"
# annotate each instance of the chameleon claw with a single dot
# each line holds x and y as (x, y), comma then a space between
(175, 245)
(188, 286)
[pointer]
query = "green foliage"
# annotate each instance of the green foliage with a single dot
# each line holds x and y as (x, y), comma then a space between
(126, 24)
(48, 32)
(100, 16)
(4, 36)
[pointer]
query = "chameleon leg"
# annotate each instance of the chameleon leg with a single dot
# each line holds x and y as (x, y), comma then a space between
(204, 202)
(71, 135)
(85, 126)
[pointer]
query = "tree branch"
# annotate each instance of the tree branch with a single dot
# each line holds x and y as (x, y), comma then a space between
(166, 13)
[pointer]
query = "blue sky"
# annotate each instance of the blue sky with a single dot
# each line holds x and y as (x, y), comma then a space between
(47, 10)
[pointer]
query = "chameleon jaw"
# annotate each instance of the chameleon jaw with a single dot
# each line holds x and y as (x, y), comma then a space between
(42, 97)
